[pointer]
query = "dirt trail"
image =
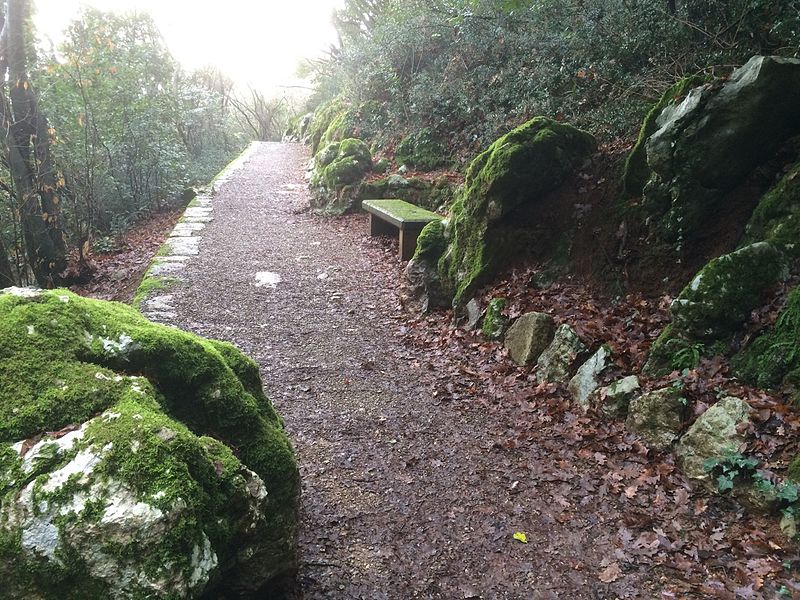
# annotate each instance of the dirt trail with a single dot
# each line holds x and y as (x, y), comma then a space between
(403, 497)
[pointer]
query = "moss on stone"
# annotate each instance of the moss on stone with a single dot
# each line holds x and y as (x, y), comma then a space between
(773, 359)
(183, 404)
(518, 169)
(327, 155)
(324, 115)
(720, 297)
(636, 171)
(342, 163)
(151, 284)
(495, 322)
(431, 243)
(776, 219)
(714, 305)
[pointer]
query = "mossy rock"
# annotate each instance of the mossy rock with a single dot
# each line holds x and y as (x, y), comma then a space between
(715, 305)
(495, 323)
(338, 167)
(169, 473)
(707, 145)
(516, 171)
(657, 416)
(421, 150)
(720, 297)
(776, 219)
(324, 115)
(636, 171)
(422, 271)
(773, 358)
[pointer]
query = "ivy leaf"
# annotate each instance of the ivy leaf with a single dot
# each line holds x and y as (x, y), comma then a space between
(724, 483)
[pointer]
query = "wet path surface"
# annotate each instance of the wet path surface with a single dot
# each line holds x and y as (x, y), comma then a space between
(403, 497)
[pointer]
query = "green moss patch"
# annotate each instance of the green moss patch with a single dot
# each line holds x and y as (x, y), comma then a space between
(495, 322)
(431, 243)
(773, 359)
(150, 285)
(776, 219)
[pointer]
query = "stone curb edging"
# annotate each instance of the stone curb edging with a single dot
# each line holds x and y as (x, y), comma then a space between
(153, 298)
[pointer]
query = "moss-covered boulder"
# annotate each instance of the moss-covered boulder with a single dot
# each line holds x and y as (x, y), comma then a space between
(422, 270)
(421, 150)
(325, 114)
(515, 173)
(637, 173)
(772, 360)
(715, 304)
(337, 167)
(708, 144)
(136, 460)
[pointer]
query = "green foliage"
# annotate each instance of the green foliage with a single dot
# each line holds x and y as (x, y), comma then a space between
(129, 130)
(132, 131)
(470, 69)
(421, 150)
(736, 470)
(729, 468)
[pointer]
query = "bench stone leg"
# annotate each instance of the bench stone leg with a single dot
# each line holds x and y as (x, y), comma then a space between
(380, 227)
(408, 243)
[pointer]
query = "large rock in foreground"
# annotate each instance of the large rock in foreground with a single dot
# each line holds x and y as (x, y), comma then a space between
(136, 460)
(514, 174)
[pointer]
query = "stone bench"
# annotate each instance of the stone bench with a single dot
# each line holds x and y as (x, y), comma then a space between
(385, 216)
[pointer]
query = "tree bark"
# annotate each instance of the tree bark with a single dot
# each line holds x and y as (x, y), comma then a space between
(6, 274)
(28, 150)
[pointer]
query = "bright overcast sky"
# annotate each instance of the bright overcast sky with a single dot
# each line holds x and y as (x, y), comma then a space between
(256, 42)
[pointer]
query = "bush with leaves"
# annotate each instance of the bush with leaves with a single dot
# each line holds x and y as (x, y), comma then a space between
(469, 69)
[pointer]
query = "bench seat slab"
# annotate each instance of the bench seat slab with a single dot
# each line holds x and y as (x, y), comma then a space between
(388, 215)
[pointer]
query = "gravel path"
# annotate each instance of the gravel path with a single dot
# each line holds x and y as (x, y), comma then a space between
(403, 497)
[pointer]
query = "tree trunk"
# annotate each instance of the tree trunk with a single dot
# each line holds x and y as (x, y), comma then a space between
(28, 149)
(6, 275)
